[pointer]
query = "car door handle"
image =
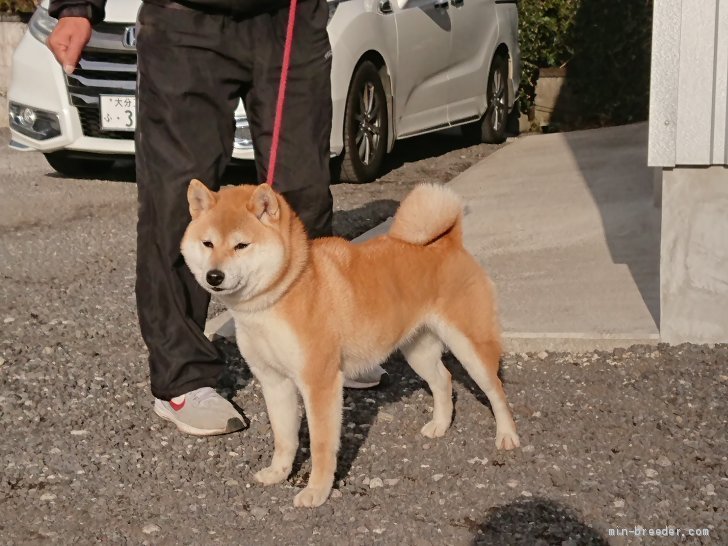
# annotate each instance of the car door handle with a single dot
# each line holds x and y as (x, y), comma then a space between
(441, 4)
(457, 3)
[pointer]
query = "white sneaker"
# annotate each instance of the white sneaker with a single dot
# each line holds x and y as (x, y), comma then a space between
(365, 380)
(202, 412)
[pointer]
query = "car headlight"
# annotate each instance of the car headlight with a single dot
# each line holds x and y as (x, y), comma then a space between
(33, 122)
(41, 24)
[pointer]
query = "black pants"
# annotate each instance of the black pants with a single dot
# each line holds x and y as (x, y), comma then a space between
(192, 69)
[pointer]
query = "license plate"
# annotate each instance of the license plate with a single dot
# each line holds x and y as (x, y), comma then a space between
(118, 112)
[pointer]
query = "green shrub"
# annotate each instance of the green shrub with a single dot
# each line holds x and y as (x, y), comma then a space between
(605, 46)
(544, 28)
(18, 6)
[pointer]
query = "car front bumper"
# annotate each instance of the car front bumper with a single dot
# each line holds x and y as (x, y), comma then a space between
(37, 82)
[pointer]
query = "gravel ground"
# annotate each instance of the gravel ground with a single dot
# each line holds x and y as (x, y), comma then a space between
(609, 440)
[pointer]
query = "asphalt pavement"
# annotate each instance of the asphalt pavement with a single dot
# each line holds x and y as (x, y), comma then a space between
(628, 439)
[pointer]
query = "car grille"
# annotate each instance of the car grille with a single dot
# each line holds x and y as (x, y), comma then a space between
(106, 67)
(91, 125)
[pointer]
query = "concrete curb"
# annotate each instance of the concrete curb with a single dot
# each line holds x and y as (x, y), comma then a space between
(222, 326)
(531, 342)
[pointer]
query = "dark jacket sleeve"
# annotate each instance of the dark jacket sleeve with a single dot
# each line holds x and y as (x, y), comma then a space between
(93, 10)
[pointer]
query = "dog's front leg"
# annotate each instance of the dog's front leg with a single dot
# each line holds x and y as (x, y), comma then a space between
(323, 400)
(281, 400)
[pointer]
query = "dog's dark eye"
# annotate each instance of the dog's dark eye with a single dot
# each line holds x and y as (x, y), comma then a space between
(208, 244)
(241, 246)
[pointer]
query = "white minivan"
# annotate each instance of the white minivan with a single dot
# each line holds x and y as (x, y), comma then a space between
(400, 68)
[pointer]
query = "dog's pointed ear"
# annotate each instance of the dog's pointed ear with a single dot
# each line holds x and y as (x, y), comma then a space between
(264, 204)
(200, 198)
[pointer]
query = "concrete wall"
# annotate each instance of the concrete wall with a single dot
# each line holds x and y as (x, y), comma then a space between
(694, 255)
(10, 34)
(689, 83)
(689, 140)
(556, 102)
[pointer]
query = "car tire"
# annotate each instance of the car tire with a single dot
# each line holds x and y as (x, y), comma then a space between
(366, 126)
(491, 128)
(78, 167)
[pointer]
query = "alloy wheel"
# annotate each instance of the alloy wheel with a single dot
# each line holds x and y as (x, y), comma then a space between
(498, 105)
(370, 123)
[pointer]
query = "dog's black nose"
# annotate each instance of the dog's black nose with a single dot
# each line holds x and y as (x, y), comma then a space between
(215, 277)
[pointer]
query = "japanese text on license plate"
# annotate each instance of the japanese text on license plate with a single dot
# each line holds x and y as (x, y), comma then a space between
(118, 112)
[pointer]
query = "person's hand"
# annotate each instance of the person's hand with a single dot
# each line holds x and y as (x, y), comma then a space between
(68, 40)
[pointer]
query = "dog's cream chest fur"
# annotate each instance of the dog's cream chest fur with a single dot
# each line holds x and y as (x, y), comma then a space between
(264, 339)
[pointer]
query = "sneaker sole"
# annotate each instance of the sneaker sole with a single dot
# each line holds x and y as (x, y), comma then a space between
(366, 382)
(162, 412)
(354, 384)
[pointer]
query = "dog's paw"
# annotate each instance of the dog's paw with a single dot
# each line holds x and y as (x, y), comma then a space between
(311, 497)
(435, 429)
(272, 474)
(507, 440)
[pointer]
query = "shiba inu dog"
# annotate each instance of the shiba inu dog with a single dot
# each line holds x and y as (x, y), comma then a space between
(309, 313)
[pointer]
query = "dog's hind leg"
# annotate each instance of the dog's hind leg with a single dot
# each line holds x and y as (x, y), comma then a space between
(281, 400)
(480, 357)
(423, 353)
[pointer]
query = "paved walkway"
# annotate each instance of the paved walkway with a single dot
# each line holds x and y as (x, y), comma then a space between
(567, 227)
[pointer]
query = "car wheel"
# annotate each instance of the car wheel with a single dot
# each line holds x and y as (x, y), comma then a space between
(491, 128)
(365, 126)
(78, 167)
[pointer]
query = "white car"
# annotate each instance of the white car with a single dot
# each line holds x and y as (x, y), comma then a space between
(400, 68)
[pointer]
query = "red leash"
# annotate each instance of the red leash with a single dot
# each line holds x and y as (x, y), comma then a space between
(282, 92)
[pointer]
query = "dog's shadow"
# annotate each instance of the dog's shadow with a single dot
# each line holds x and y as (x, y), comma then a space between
(361, 406)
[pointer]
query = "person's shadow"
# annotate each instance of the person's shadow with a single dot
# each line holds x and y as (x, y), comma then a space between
(534, 522)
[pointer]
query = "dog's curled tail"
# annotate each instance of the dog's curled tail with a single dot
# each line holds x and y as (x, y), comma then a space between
(429, 212)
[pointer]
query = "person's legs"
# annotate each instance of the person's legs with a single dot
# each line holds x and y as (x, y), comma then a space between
(186, 100)
(302, 172)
